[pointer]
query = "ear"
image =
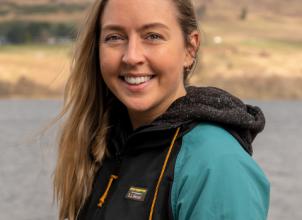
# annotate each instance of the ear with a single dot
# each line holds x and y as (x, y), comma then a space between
(192, 47)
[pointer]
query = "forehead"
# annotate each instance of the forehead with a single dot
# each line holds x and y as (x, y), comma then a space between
(139, 12)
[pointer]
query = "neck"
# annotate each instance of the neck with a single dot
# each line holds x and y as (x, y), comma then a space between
(139, 119)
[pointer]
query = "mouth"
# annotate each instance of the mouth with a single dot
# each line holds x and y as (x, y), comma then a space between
(136, 80)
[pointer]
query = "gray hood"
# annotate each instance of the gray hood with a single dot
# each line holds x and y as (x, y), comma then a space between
(217, 106)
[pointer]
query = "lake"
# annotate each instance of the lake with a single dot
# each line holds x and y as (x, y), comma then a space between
(27, 158)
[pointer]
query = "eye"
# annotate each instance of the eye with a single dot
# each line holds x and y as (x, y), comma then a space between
(113, 38)
(154, 36)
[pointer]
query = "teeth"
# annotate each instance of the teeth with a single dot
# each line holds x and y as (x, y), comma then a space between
(137, 80)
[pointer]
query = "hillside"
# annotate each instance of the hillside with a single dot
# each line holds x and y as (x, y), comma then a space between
(67, 10)
(278, 7)
(252, 48)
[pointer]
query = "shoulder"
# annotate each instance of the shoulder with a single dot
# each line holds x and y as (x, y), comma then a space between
(212, 168)
(208, 143)
(210, 146)
(210, 149)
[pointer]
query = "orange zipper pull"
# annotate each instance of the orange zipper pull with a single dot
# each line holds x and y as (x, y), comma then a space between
(103, 197)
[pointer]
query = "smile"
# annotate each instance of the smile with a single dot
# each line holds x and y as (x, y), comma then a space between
(136, 80)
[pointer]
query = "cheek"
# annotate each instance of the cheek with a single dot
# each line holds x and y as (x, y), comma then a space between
(108, 58)
(103, 61)
(106, 68)
(169, 61)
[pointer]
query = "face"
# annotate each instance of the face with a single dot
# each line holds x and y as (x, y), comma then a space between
(142, 56)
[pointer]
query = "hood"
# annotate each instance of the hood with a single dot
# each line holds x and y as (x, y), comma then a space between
(215, 105)
(201, 104)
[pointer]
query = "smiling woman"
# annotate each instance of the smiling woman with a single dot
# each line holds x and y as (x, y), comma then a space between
(142, 56)
(138, 143)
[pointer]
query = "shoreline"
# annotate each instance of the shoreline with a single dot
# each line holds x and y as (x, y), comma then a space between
(245, 87)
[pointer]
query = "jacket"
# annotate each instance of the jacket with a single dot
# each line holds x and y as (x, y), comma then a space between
(191, 163)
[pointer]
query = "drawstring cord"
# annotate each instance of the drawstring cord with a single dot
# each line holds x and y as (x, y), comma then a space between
(162, 174)
(104, 196)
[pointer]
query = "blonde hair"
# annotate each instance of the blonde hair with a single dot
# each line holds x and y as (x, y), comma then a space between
(87, 105)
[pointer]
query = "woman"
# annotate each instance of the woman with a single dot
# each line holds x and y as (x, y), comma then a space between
(139, 144)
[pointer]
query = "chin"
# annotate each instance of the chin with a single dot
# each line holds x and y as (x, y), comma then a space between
(138, 108)
(138, 105)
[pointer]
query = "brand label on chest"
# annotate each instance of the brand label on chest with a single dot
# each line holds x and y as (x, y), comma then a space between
(136, 193)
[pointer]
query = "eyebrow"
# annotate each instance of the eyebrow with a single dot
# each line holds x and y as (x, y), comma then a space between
(116, 27)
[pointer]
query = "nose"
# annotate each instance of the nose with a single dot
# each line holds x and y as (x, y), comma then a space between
(133, 54)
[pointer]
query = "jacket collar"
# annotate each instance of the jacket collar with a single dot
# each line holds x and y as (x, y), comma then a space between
(201, 104)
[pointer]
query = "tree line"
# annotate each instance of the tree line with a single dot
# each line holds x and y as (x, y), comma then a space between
(20, 32)
(30, 9)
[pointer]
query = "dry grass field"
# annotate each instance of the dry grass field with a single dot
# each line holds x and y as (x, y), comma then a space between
(39, 66)
(258, 57)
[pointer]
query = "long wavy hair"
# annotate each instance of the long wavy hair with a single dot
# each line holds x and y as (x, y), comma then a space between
(86, 112)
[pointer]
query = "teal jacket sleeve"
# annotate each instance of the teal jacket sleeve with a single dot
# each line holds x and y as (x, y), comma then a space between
(215, 179)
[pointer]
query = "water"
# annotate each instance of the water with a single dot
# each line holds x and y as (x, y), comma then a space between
(27, 159)
(278, 150)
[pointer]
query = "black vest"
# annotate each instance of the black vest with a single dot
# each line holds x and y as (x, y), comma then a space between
(134, 176)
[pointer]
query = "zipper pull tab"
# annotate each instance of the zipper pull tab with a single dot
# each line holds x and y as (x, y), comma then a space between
(104, 196)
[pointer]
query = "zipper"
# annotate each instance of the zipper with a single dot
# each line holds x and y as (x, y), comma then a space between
(118, 157)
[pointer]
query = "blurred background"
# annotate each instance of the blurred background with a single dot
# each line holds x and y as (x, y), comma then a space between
(251, 48)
